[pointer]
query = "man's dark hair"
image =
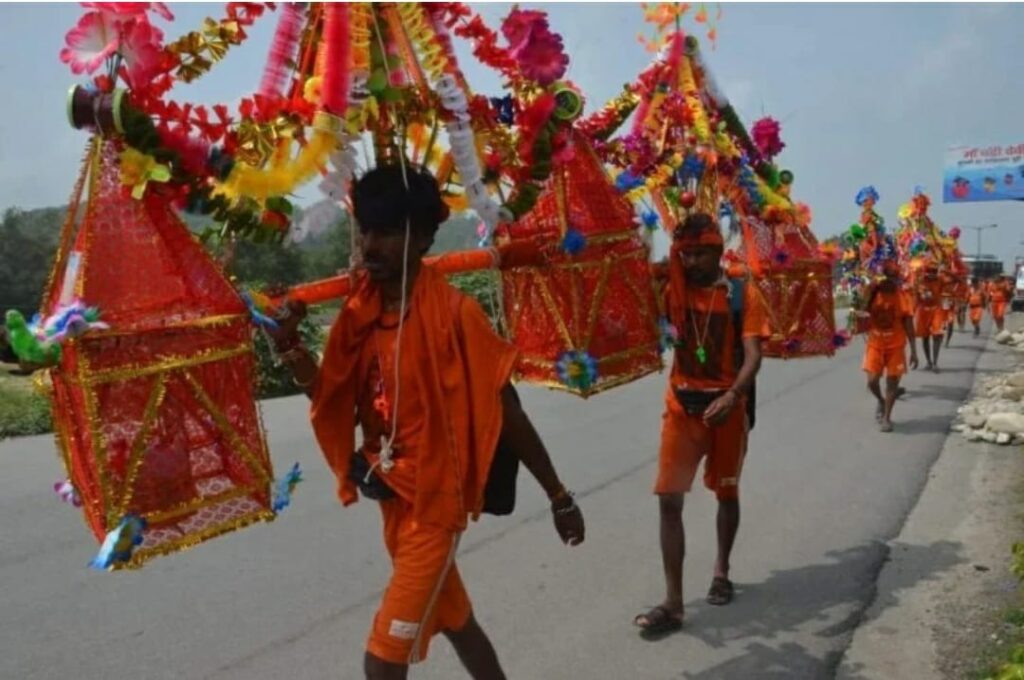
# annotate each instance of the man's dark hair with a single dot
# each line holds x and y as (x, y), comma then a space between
(381, 201)
(695, 224)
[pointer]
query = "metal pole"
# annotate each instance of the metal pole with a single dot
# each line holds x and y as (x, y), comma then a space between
(979, 229)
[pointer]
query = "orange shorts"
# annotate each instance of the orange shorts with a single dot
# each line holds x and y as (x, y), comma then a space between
(998, 311)
(891, 362)
(929, 321)
(425, 595)
(685, 440)
(976, 314)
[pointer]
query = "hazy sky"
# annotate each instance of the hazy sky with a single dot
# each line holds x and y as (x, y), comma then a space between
(867, 94)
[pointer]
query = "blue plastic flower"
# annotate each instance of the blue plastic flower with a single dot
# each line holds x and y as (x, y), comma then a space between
(840, 339)
(284, 487)
(119, 544)
(668, 336)
(577, 370)
(258, 317)
(504, 109)
(627, 181)
(864, 194)
(649, 218)
(692, 167)
(574, 241)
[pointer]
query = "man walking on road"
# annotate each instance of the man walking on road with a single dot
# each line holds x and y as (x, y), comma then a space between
(417, 365)
(890, 327)
(719, 328)
(1000, 292)
(930, 317)
(976, 302)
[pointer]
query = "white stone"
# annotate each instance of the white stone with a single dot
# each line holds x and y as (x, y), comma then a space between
(1003, 337)
(975, 420)
(1015, 379)
(972, 435)
(1013, 393)
(988, 436)
(1003, 438)
(1009, 423)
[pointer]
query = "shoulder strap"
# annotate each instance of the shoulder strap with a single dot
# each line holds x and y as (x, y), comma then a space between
(737, 289)
(736, 292)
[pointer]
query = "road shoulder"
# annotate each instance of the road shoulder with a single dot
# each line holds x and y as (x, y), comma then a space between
(935, 623)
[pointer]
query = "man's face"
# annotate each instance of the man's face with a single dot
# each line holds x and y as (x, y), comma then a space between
(702, 264)
(383, 251)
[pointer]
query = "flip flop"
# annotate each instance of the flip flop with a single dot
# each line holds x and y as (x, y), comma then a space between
(658, 621)
(885, 427)
(721, 592)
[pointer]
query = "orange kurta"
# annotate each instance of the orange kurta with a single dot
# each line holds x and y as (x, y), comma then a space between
(887, 337)
(455, 364)
(976, 305)
(999, 295)
(929, 316)
(451, 370)
(703, 317)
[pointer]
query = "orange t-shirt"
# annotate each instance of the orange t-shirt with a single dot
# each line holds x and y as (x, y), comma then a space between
(708, 323)
(976, 299)
(887, 311)
(999, 292)
(928, 294)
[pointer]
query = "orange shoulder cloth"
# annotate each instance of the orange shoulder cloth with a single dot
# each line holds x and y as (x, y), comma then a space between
(460, 385)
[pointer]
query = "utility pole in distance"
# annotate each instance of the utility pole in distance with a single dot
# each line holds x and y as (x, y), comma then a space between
(979, 229)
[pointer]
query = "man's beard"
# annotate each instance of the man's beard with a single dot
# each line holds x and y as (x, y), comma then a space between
(701, 278)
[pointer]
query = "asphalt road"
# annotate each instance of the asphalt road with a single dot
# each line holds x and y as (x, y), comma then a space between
(822, 492)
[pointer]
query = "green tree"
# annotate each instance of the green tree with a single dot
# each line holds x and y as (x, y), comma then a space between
(329, 254)
(27, 245)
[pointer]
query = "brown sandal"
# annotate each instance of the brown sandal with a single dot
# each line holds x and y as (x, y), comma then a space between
(658, 621)
(721, 592)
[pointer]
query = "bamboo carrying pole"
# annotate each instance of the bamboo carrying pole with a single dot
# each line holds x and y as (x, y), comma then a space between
(507, 256)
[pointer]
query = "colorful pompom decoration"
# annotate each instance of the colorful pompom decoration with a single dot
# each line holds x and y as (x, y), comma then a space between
(119, 544)
(284, 488)
(68, 493)
(841, 339)
(866, 194)
(574, 242)
(577, 370)
(765, 135)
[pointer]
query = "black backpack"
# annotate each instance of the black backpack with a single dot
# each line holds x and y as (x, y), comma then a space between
(736, 302)
(500, 491)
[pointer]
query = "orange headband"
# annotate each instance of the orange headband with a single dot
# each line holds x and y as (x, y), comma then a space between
(689, 238)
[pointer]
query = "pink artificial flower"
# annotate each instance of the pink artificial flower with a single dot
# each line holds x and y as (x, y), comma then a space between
(765, 135)
(539, 52)
(128, 10)
(90, 42)
(141, 49)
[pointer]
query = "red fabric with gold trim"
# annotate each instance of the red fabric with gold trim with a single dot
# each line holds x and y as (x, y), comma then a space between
(795, 281)
(156, 417)
(598, 302)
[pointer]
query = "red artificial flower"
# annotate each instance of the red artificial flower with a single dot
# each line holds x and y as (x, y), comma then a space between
(245, 13)
(531, 120)
(103, 83)
(142, 52)
(538, 51)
